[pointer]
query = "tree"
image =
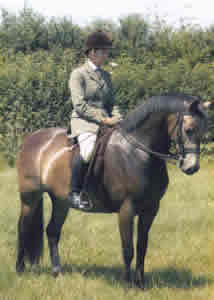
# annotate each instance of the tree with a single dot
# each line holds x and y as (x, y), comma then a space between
(25, 32)
(134, 35)
(63, 33)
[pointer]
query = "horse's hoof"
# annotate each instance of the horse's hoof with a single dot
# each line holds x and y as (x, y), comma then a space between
(56, 271)
(35, 268)
(20, 268)
(140, 284)
(139, 281)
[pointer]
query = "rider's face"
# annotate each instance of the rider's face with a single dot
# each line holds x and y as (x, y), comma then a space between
(99, 56)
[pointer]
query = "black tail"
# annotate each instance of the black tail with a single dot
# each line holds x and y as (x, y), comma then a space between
(30, 233)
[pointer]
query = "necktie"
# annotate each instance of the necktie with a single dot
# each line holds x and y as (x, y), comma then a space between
(98, 71)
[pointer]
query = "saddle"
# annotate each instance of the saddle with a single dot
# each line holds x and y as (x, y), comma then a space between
(96, 164)
(95, 169)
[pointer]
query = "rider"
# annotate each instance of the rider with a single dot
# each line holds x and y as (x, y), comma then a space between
(93, 105)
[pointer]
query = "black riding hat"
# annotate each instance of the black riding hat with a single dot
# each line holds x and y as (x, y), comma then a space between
(98, 40)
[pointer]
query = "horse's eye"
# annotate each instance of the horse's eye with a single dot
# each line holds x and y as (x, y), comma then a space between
(190, 131)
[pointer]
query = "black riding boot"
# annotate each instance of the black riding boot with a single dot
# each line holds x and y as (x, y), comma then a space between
(79, 168)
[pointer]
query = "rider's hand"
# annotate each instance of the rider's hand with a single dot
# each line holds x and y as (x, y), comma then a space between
(111, 121)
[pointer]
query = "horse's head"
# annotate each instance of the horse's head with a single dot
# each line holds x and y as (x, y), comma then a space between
(190, 127)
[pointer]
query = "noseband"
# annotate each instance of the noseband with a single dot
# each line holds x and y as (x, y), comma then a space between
(182, 151)
(179, 154)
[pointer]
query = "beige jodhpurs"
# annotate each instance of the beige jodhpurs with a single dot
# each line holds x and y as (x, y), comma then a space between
(87, 143)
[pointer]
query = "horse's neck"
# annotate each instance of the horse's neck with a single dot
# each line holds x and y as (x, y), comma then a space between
(154, 133)
(172, 125)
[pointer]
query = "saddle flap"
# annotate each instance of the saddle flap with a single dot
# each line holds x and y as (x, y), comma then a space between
(97, 160)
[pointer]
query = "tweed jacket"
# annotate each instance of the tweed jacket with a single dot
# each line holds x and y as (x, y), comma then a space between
(92, 98)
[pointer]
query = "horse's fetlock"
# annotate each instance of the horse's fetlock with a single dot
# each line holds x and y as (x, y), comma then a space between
(56, 271)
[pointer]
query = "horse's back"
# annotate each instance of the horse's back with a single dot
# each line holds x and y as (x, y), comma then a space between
(36, 152)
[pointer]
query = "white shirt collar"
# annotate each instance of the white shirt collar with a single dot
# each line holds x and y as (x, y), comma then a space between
(92, 65)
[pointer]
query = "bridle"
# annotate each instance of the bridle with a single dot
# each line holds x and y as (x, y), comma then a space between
(180, 152)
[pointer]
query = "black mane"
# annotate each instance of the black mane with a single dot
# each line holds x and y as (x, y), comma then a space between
(168, 104)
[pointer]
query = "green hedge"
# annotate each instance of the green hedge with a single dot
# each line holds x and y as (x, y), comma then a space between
(34, 88)
(34, 94)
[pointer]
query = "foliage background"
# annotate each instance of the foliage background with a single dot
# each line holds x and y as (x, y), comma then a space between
(37, 56)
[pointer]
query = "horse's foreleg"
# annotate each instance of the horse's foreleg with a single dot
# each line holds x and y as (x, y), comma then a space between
(59, 214)
(126, 221)
(144, 224)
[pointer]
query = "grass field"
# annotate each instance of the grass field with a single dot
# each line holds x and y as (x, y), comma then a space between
(180, 258)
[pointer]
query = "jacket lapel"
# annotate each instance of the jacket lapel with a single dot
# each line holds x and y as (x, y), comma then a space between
(94, 75)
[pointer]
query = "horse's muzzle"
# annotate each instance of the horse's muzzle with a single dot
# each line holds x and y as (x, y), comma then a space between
(190, 164)
(191, 170)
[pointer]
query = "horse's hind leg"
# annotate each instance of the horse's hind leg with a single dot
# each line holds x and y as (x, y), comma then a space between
(126, 222)
(30, 230)
(59, 214)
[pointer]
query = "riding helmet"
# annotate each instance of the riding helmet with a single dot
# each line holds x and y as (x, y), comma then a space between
(97, 40)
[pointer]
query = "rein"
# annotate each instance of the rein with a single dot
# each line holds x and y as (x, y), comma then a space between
(171, 157)
(138, 145)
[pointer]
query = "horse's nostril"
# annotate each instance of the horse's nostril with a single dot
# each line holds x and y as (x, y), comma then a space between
(192, 170)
